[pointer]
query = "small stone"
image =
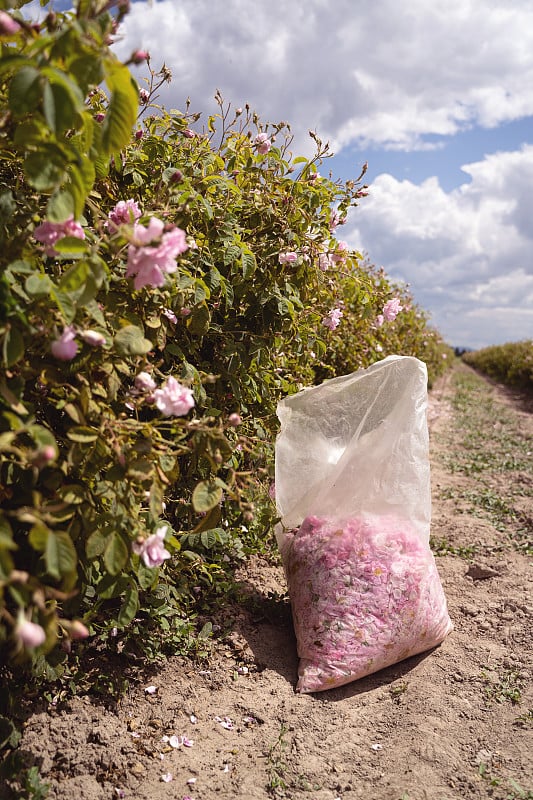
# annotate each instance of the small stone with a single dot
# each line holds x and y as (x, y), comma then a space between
(137, 769)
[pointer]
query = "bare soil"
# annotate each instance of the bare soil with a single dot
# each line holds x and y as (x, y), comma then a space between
(451, 724)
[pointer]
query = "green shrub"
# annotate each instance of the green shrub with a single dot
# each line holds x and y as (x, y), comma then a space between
(510, 363)
(162, 286)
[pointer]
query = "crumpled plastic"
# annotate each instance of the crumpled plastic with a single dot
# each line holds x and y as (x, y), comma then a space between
(353, 494)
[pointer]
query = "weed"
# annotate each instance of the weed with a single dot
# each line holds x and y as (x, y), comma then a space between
(276, 766)
(398, 690)
(517, 793)
(525, 720)
(442, 547)
(508, 687)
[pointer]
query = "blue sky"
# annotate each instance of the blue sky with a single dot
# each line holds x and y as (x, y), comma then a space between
(445, 161)
(435, 96)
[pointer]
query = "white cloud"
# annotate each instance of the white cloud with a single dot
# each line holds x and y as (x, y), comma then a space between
(468, 253)
(381, 74)
(372, 72)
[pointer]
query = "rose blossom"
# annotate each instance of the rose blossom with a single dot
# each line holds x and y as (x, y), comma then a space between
(144, 382)
(169, 314)
(340, 253)
(173, 399)
(8, 25)
(391, 309)
(325, 261)
(147, 262)
(380, 319)
(124, 213)
(287, 258)
(48, 233)
(65, 347)
(78, 630)
(235, 419)
(263, 143)
(332, 319)
(152, 550)
(29, 633)
(94, 338)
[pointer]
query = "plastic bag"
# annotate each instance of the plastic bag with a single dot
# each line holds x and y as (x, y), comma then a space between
(353, 493)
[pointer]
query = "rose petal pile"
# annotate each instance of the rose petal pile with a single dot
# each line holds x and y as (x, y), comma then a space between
(365, 594)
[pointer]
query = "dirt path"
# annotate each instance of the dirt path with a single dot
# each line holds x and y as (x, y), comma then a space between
(454, 724)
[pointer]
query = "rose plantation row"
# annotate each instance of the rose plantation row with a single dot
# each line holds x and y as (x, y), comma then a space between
(165, 281)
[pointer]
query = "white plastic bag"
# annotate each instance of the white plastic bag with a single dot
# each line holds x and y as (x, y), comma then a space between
(353, 494)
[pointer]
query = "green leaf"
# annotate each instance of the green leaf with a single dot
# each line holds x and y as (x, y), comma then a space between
(73, 493)
(249, 265)
(38, 284)
(65, 302)
(70, 246)
(38, 537)
(13, 347)
(116, 554)
(82, 434)
(210, 520)
(41, 171)
(206, 495)
(60, 206)
(199, 320)
(110, 586)
(96, 544)
(6, 535)
(147, 577)
(25, 91)
(210, 537)
(122, 109)
(60, 554)
(129, 607)
(9, 735)
(130, 341)
(42, 436)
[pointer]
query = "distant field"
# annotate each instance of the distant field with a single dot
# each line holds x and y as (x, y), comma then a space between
(510, 363)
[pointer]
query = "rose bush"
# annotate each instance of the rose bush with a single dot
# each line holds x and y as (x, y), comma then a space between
(163, 284)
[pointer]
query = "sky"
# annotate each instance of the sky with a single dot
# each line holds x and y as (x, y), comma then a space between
(437, 97)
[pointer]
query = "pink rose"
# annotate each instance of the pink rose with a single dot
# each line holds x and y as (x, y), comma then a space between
(8, 25)
(94, 338)
(144, 382)
(287, 258)
(173, 399)
(391, 309)
(149, 264)
(152, 550)
(29, 633)
(332, 319)
(125, 212)
(262, 143)
(340, 253)
(48, 233)
(78, 630)
(325, 261)
(65, 347)
(138, 56)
